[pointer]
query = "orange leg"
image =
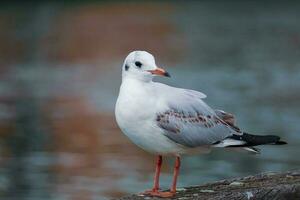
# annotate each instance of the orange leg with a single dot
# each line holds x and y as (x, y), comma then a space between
(176, 172)
(157, 173)
(156, 177)
(155, 191)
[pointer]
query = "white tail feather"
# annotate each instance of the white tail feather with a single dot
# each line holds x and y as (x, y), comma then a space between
(252, 150)
(229, 142)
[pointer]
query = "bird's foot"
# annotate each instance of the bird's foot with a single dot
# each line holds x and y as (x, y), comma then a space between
(148, 192)
(157, 193)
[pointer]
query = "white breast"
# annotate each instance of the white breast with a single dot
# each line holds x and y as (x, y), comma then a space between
(136, 114)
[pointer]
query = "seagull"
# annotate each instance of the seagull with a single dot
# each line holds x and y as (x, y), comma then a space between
(170, 121)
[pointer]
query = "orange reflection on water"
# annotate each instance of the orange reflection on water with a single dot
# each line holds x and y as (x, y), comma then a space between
(89, 144)
(107, 31)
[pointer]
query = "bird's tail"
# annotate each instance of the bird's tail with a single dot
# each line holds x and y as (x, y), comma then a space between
(254, 140)
(246, 142)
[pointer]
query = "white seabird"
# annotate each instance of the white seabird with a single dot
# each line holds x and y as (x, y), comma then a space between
(166, 120)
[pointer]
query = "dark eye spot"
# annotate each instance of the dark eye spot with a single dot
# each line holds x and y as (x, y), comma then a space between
(126, 67)
(138, 64)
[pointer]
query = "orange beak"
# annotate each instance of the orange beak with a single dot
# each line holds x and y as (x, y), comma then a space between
(160, 72)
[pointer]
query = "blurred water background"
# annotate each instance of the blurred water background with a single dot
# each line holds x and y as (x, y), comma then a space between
(60, 70)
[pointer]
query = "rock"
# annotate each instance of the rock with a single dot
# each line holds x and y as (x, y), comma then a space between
(284, 185)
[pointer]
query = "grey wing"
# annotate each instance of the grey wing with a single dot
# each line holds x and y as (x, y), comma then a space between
(229, 119)
(188, 121)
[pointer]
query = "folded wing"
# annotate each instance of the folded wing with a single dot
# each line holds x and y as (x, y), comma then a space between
(188, 121)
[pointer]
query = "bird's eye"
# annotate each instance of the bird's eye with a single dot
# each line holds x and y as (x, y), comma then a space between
(138, 64)
(126, 67)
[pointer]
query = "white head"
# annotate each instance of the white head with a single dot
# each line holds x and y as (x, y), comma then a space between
(141, 65)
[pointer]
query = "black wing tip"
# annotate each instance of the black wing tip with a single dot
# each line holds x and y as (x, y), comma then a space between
(280, 142)
(254, 140)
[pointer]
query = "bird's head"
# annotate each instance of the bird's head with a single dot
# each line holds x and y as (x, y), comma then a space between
(141, 65)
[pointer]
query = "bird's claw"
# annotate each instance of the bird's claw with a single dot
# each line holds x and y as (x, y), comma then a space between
(157, 193)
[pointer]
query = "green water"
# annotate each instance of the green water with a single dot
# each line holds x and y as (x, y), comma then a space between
(59, 79)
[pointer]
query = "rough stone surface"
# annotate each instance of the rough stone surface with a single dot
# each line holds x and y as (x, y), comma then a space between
(285, 185)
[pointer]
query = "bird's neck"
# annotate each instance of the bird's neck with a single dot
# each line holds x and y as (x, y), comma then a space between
(133, 92)
(136, 78)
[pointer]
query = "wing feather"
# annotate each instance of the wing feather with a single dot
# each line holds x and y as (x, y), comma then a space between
(189, 121)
